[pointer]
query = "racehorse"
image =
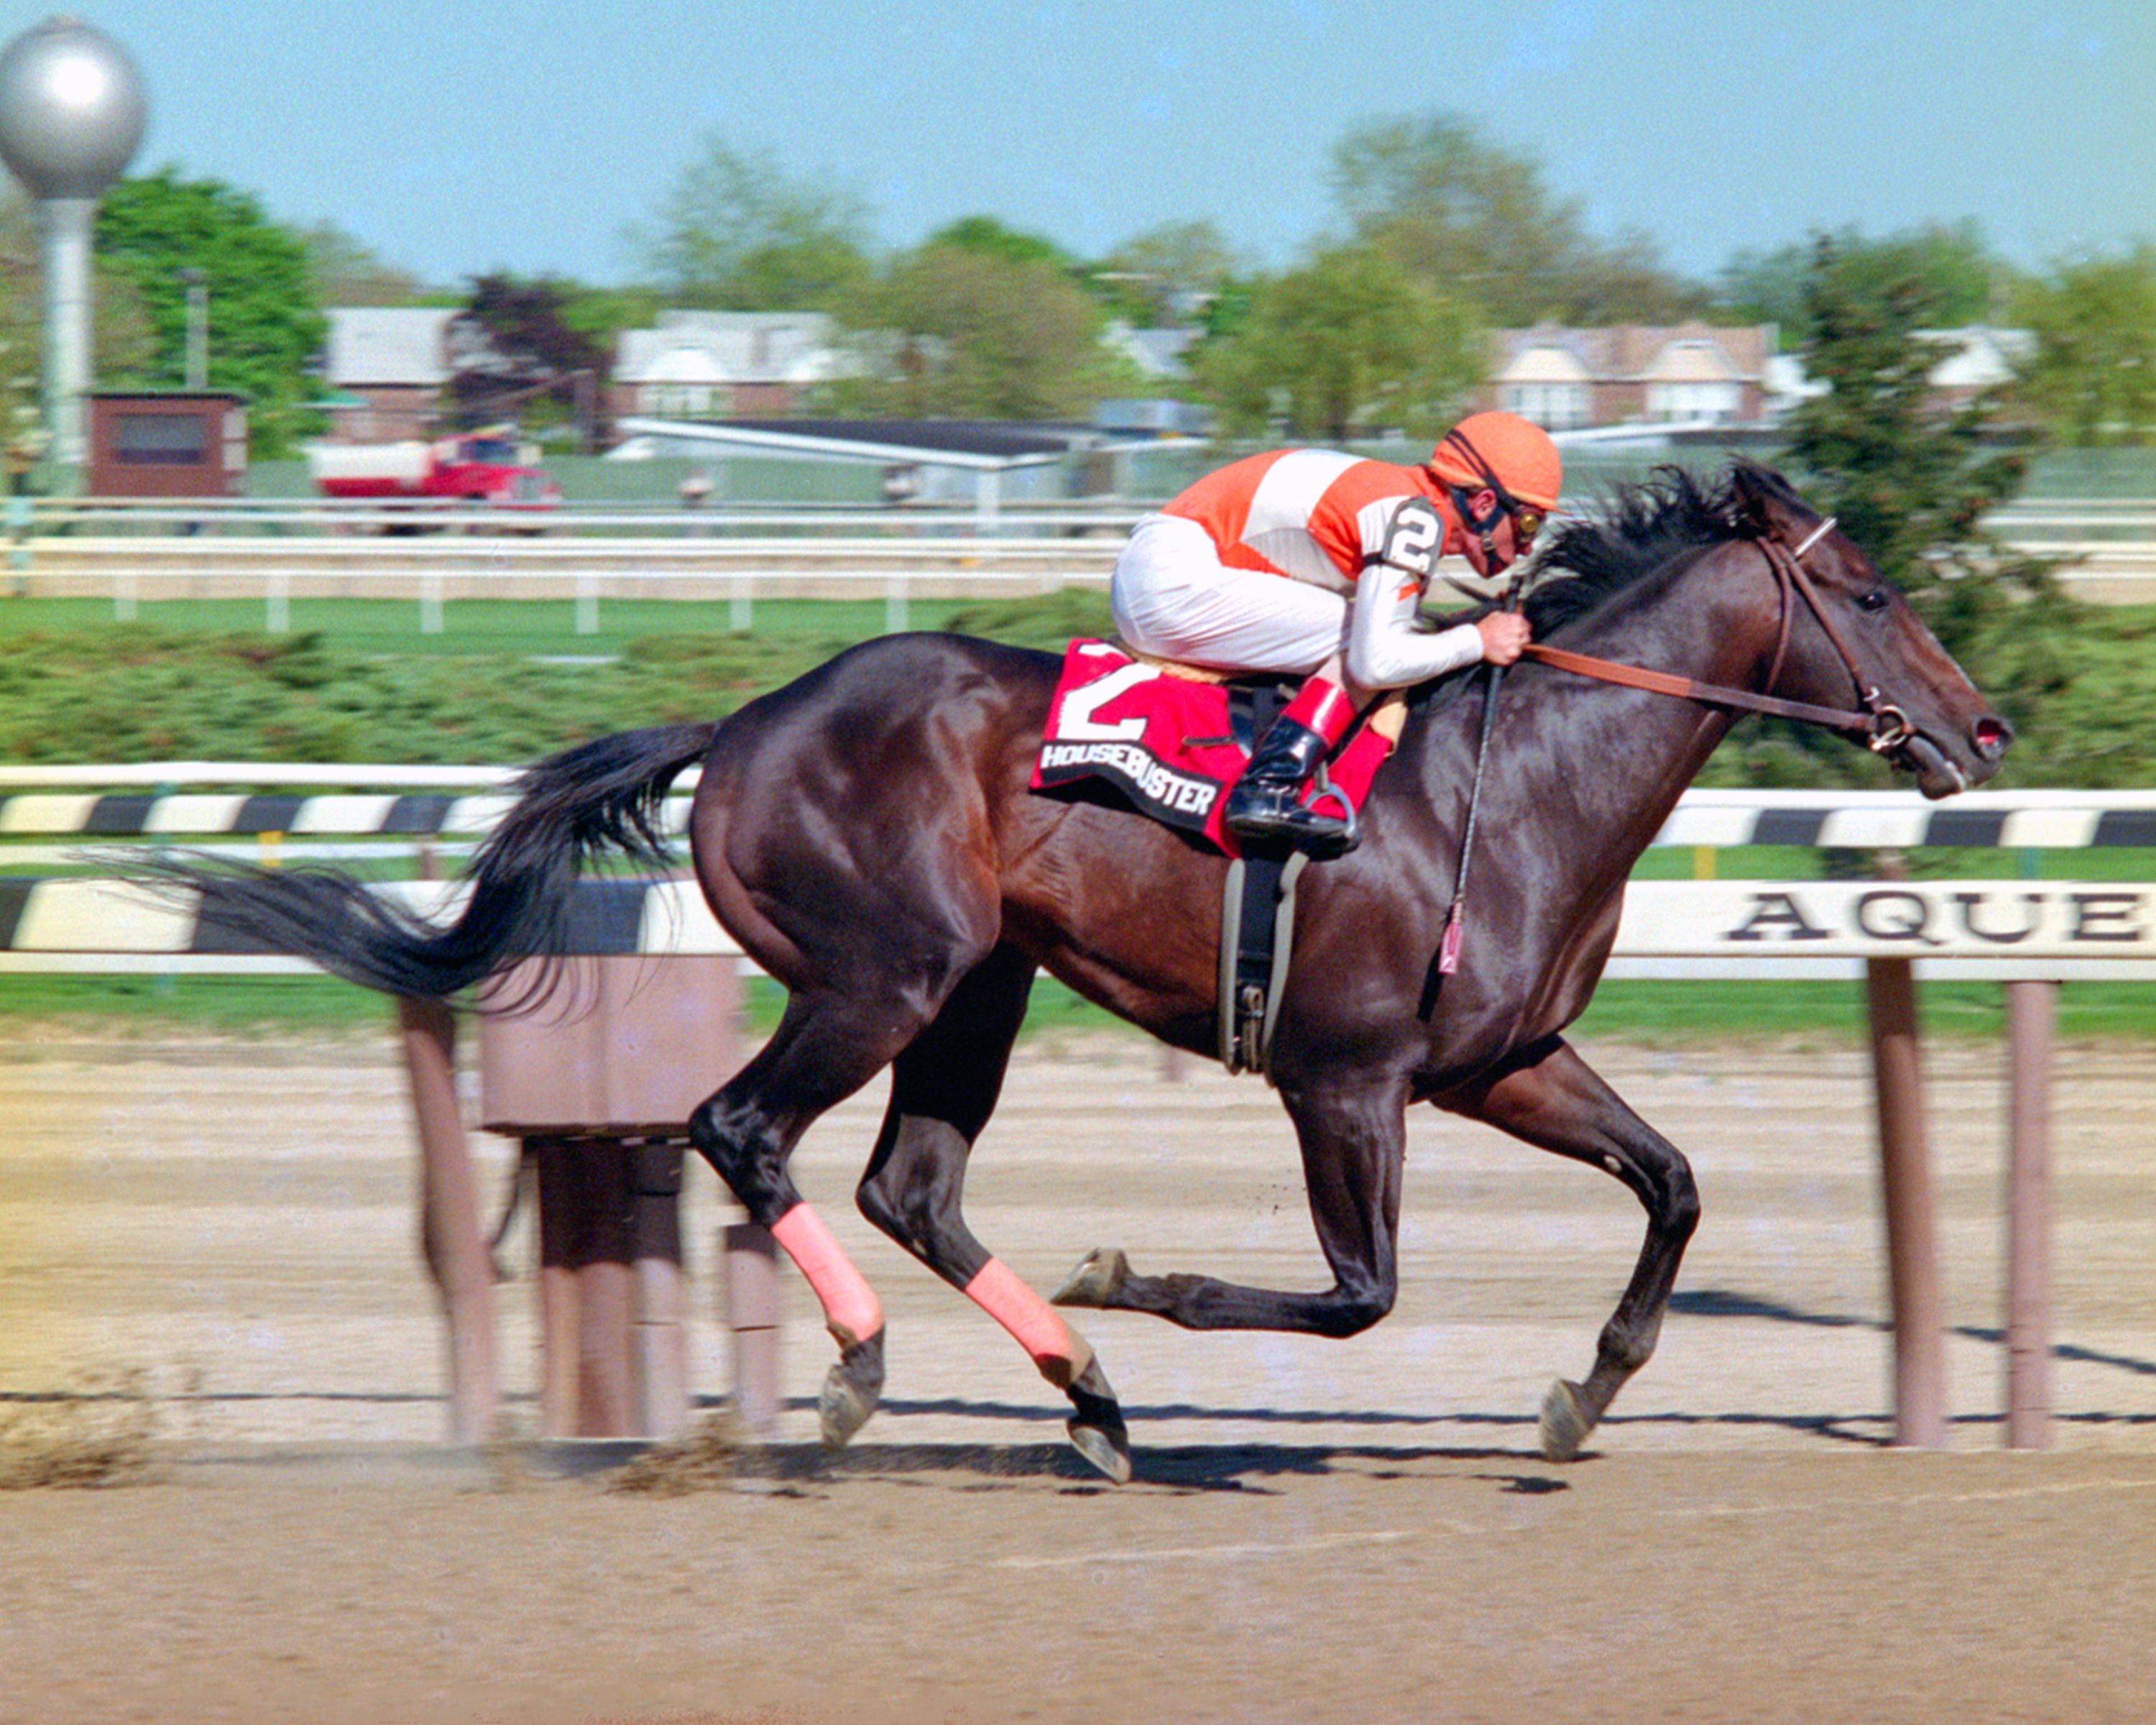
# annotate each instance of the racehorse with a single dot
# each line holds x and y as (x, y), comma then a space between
(867, 835)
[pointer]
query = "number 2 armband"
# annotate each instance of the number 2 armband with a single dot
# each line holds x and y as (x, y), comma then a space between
(1412, 542)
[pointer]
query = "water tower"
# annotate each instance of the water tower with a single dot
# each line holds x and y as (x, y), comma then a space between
(72, 109)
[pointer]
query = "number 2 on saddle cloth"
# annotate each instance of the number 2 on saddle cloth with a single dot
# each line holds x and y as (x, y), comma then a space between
(1167, 742)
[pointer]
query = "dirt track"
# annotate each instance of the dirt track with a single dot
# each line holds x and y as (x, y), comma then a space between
(1319, 1529)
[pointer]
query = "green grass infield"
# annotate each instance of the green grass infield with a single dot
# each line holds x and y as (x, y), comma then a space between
(132, 1007)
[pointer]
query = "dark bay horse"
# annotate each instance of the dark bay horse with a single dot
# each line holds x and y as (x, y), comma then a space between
(866, 834)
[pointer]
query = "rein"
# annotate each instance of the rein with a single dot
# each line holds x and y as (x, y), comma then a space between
(1888, 724)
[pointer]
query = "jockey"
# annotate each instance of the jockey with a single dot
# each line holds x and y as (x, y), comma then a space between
(1314, 562)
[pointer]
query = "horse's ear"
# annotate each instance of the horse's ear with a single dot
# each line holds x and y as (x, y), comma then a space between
(1761, 500)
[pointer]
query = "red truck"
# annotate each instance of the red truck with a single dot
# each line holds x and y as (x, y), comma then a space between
(479, 467)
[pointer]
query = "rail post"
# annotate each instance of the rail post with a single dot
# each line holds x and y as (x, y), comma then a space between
(1920, 1419)
(585, 1288)
(749, 1257)
(450, 1233)
(2031, 1015)
(600, 1085)
(658, 1341)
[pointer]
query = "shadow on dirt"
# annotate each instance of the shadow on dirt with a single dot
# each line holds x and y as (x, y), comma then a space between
(1842, 1427)
(1234, 1467)
(1725, 1302)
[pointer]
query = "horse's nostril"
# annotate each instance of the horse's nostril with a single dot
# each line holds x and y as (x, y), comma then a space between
(1992, 734)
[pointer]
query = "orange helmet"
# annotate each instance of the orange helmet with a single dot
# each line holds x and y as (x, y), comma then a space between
(1502, 450)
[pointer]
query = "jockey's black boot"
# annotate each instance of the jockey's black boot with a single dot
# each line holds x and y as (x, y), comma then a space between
(1266, 806)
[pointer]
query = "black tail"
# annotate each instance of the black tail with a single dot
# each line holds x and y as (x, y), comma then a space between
(571, 809)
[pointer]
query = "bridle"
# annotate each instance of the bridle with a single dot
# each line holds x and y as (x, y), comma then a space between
(1891, 731)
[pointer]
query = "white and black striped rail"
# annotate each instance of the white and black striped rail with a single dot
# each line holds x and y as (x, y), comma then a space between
(1903, 820)
(1722, 820)
(89, 919)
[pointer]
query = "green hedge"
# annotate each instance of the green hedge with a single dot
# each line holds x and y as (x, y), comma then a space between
(508, 682)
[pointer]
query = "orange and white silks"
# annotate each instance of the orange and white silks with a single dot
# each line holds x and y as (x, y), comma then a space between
(1060, 1353)
(851, 1310)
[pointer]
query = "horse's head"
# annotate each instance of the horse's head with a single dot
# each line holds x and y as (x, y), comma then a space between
(1851, 639)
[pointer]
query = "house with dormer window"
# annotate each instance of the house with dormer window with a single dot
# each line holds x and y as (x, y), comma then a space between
(1568, 379)
(724, 365)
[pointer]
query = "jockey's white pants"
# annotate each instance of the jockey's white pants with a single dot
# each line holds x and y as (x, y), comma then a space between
(1174, 598)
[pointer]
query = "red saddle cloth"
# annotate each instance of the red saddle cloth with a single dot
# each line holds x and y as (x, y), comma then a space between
(1166, 743)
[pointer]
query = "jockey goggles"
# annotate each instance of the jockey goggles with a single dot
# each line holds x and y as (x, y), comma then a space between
(1527, 520)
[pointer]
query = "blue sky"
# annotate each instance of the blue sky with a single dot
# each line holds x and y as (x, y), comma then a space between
(463, 136)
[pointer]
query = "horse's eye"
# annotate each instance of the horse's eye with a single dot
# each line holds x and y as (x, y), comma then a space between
(1872, 599)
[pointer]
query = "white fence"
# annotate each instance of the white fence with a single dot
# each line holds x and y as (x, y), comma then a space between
(434, 555)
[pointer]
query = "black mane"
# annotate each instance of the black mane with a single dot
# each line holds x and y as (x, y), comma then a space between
(1641, 528)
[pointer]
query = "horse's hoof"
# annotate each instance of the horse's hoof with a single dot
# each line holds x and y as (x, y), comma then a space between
(852, 1389)
(1109, 1450)
(1565, 1423)
(1096, 1281)
(1096, 1423)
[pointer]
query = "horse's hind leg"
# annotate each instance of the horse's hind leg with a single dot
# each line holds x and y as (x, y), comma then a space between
(943, 1088)
(1557, 1102)
(1353, 1136)
(826, 1047)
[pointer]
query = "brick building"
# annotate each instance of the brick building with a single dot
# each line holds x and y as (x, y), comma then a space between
(386, 367)
(723, 365)
(1567, 379)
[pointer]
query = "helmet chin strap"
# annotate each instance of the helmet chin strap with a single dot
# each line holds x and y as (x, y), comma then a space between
(1481, 523)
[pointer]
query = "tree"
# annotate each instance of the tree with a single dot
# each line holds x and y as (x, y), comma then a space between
(1348, 344)
(736, 233)
(514, 354)
(992, 238)
(1957, 270)
(265, 326)
(345, 270)
(951, 329)
(1911, 483)
(1471, 221)
(602, 313)
(2094, 379)
(1165, 275)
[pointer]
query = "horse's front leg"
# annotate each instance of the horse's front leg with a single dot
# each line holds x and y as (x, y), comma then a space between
(1554, 1100)
(1353, 1135)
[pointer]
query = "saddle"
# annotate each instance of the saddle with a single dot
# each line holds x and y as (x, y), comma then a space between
(1169, 739)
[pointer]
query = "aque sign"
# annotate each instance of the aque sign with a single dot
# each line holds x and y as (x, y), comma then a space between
(1871, 919)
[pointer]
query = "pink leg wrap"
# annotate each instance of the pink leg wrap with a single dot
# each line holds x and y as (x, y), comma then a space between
(1011, 1303)
(850, 1307)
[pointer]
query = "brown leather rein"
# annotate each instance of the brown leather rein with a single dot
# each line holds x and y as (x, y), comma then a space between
(1889, 725)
